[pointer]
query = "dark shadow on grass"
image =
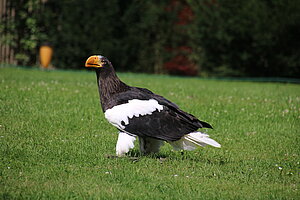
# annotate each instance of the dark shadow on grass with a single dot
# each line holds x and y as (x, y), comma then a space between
(135, 155)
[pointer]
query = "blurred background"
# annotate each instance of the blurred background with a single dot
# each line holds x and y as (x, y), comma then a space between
(249, 38)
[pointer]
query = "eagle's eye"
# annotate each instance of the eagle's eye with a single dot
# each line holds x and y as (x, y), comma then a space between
(103, 61)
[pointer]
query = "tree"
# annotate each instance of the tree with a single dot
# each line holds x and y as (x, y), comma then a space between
(248, 38)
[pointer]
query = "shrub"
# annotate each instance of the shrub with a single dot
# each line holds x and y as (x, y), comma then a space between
(224, 37)
(248, 38)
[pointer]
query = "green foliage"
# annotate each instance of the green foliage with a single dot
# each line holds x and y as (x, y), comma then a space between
(22, 32)
(83, 29)
(54, 140)
(248, 38)
(146, 31)
(131, 34)
(223, 37)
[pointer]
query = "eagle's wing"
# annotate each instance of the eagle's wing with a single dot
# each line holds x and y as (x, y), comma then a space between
(143, 113)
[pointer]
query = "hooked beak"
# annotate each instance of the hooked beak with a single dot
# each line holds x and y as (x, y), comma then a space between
(94, 61)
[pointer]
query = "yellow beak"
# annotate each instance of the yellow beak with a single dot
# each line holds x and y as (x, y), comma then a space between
(93, 61)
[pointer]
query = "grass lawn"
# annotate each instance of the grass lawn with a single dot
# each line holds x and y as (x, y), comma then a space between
(55, 142)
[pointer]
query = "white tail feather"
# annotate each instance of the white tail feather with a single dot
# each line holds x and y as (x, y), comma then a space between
(192, 140)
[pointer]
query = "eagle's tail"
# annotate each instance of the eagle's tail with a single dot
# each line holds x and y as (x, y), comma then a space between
(192, 140)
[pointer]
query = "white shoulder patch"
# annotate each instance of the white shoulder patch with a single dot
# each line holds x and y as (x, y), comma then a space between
(134, 108)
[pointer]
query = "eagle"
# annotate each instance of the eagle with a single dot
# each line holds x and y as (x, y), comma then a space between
(139, 113)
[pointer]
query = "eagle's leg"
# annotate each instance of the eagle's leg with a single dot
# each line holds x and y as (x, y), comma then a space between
(149, 145)
(124, 144)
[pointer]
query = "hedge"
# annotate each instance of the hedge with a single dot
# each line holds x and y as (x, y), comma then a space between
(185, 37)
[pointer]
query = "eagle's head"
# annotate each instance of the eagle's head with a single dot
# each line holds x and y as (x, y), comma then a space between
(97, 62)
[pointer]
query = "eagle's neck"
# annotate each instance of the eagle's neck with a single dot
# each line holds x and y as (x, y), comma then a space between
(108, 85)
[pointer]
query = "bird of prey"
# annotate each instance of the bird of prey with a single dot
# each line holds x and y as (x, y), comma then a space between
(138, 112)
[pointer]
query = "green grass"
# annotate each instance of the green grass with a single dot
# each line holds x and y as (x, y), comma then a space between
(54, 140)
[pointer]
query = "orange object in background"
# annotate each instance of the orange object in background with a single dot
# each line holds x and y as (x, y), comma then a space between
(45, 55)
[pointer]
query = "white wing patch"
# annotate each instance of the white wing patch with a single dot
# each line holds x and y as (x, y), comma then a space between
(134, 108)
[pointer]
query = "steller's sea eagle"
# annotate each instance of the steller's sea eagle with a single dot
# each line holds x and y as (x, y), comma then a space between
(138, 112)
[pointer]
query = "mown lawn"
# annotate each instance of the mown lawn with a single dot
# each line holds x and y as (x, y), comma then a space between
(55, 142)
